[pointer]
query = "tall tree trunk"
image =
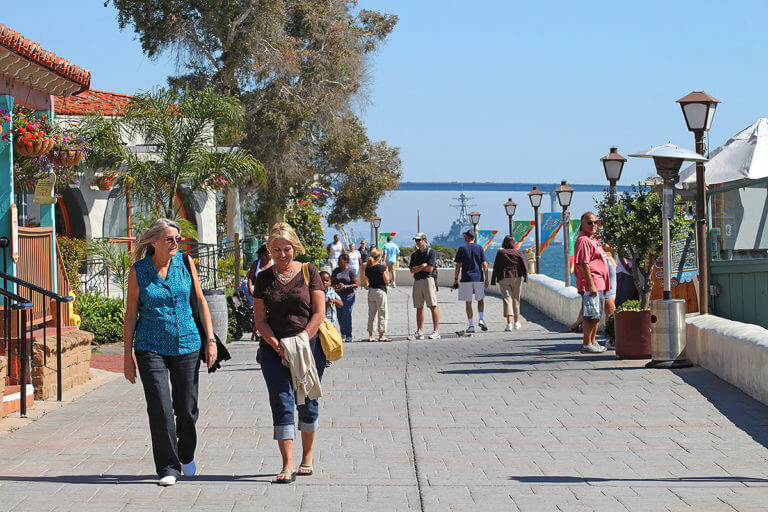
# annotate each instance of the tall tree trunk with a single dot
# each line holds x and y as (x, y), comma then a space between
(234, 212)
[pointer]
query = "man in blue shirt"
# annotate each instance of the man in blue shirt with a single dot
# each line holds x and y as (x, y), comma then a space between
(389, 254)
(471, 263)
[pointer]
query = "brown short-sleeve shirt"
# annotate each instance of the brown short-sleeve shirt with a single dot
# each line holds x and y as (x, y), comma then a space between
(289, 307)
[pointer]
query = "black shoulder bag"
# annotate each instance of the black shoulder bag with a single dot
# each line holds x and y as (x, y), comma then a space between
(222, 354)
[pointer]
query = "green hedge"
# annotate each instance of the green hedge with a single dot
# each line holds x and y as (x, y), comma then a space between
(103, 316)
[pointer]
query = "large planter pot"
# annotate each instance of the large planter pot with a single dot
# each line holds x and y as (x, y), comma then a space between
(633, 334)
(38, 147)
(67, 157)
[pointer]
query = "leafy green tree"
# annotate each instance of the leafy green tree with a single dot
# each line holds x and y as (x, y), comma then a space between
(632, 225)
(305, 220)
(299, 67)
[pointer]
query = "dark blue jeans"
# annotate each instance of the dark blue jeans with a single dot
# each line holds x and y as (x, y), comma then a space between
(172, 411)
(345, 315)
(282, 399)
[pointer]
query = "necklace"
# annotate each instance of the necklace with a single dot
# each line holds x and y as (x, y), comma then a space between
(282, 278)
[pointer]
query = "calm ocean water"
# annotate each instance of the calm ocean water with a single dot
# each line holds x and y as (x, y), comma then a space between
(551, 261)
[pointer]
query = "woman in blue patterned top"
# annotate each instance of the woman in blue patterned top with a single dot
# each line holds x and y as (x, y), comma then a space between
(161, 330)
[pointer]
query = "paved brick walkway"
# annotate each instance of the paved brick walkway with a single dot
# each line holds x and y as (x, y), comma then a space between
(501, 421)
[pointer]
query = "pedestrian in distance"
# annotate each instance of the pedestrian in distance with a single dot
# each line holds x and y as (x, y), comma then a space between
(473, 267)
(592, 280)
(263, 262)
(344, 281)
(355, 258)
(609, 304)
(161, 332)
(510, 270)
(423, 267)
(625, 283)
(378, 279)
(364, 254)
(287, 313)
(334, 250)
(332, 299)
(390, 254)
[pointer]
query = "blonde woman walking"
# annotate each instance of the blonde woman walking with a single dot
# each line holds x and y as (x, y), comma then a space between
(160, 330)
(378, 281)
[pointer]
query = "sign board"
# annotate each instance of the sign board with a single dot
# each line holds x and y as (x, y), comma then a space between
(44, 193)
(14, 233)
(685, 263)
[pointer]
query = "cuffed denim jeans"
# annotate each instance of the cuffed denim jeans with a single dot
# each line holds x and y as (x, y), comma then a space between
(282, 399)
(173, 438)
(345, 315)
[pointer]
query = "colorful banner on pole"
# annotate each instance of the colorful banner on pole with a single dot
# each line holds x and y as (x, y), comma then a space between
(485, 237)
(574, 234)
(383, 238)
(520, 230)
(551, 222)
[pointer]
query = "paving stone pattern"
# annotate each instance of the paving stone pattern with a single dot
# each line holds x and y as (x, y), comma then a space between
(500, 421)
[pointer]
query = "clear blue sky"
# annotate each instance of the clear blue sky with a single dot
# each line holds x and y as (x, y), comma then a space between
(500, 91)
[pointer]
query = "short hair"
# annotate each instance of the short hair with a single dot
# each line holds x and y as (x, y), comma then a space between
(584, 215)
(284, 231)
(344, 257)
(508, 243)
(324, 273)
(389, 238)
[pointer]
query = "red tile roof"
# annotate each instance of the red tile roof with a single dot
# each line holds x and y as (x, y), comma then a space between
(32, 51)
(93, 101)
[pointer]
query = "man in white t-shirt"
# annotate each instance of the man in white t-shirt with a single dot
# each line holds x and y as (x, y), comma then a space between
(389, 254)
(334, 250)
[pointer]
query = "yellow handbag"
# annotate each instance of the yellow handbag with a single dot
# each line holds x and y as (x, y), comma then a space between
(330, 339)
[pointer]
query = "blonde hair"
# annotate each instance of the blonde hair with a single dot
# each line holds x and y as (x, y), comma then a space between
(284, 231)
(373, 257)
(152, 234)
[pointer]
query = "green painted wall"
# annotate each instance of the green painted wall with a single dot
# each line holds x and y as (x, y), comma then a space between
(743, 289)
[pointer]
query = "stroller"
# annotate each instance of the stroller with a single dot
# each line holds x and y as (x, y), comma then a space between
(243, 312)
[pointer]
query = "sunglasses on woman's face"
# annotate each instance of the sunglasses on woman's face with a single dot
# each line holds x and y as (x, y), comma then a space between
(172, 239)
(591, 222)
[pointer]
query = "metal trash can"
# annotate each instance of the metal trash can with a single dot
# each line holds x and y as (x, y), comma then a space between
(668, 334)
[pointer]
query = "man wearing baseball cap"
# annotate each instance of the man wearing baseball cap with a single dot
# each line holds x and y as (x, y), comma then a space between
(423, 266)
(471, 263)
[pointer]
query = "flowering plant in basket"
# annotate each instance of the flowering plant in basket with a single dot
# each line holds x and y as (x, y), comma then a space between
(217, 182)
(69, 150)
(30, 136)
(105, 182)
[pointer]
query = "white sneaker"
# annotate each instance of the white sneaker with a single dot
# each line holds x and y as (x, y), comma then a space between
(167, 481)
(418, 335)
(434, 336)
(482, 325)
(592, 349)
(518, 326)
(470, 329)
(508, 328)
(189, 469)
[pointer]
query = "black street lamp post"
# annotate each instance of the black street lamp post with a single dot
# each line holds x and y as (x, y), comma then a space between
(564, 196)
(510, 206)
(535, 196)
(613, 163)
(376, 222)
(474, 218)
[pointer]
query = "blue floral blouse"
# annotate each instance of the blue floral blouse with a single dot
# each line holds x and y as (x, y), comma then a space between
(165, 323)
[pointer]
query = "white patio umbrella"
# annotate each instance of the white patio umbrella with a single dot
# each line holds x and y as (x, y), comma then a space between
(743, 157)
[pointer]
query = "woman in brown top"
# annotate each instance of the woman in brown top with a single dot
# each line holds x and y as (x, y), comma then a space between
(285, 306)
(510, 268)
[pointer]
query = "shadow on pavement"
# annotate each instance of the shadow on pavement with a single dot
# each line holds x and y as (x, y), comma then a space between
(554, 479)
(745, 412)
(134, 479)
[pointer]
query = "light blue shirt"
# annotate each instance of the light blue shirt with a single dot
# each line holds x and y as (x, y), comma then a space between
(390, 252)
(165, 324)
(330, 309)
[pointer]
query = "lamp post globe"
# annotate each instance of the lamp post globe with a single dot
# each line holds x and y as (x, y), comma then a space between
(510, 206)
(535, 196)
(699, 111)
(613, 164)
(376, 222)
(564, 196)
(474, 218)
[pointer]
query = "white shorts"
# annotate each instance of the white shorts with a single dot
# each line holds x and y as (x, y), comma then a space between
(466, 289)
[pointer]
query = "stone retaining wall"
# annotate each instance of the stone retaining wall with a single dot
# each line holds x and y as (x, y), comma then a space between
(75, 363)
(734, 351)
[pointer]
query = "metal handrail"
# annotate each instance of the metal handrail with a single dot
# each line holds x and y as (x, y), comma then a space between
(22, 306)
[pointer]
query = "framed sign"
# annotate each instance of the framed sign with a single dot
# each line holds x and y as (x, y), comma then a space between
(44, 190)
(14, 233)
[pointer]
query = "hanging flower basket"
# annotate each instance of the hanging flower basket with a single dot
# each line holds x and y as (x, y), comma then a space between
(217, 182)
(36, 147)
(68, 157)
(105, 182)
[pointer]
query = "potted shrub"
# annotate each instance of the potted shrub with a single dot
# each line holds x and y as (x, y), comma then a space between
(632, 224)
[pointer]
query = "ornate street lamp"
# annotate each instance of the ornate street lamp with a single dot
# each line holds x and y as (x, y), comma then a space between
(613, 163)
(534, 196)
(667, 314)
(474, 218)
(510, 206)
(376, 222)
(699, 110)
(564, 196)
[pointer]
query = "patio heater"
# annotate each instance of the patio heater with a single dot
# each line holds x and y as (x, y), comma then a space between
(510, 206)
(668, 314)
(534, 196)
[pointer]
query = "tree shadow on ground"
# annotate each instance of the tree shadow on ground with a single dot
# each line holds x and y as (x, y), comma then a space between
(742, 410)
(134, 479)
(555, 479)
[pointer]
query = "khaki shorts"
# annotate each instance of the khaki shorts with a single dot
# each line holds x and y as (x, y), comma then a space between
(391, 265)
(424, 291)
